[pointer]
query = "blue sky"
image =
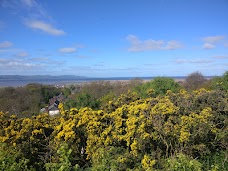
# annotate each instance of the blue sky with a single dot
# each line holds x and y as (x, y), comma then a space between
(113, 38)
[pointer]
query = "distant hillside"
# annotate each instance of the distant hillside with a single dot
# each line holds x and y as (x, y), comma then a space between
(40, 77)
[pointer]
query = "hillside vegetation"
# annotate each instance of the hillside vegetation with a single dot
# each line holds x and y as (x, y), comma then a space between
(158, 125)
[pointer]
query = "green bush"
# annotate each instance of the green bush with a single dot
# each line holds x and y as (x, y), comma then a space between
(182, 162)
(215, 162)
(158, 86)
(63, 164)
(12, 160)
(219, 83)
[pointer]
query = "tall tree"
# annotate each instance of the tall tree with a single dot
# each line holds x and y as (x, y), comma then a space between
(194, 81)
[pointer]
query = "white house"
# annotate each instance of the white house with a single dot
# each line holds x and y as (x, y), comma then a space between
(53, 110)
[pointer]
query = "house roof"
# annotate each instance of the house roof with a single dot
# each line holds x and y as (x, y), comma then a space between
(53, 107)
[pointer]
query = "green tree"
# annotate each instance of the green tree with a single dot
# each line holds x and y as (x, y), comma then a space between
(158, 86)
(87, 100)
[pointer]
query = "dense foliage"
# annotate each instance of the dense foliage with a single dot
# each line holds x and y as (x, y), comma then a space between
(158, 86)
(167, 129)
(26, 101)
(95, 94)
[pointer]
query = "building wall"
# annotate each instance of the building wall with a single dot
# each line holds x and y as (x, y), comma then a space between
(54, 112)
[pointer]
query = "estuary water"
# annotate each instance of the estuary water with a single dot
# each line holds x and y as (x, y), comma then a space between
(58, 81)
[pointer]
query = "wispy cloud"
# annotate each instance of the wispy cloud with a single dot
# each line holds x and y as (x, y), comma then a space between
(196, 61)
(33, 14)
(221, 57)
(67, 50)
(126, 69)
(6, 44)
(150, 44)
(211, 41)
(9, 4)
(38, 18)
(173, 44)
(208, 46)
(40, 59)
(138, 45)
(82, 56)
(22, 54)
(98, 65)
(29, 3)
(25, 8)
(16, 64)
(149, 65)
(45, 27)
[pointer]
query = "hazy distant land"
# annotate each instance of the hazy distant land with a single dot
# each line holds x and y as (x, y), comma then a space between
(21, 80)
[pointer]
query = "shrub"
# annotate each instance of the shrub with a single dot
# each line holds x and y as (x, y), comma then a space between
(182, 162)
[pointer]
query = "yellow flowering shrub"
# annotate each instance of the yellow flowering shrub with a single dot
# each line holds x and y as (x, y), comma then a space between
(127, 133)
(164, 106)
(147, 162)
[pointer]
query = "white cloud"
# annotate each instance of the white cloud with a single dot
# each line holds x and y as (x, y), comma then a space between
(208, 46)
(5, 44)
(33, 14)
(150, 44)
(45, 27)
(213, 39)
(16, 64)
(68, 50)
(138, 45)
(199, 61)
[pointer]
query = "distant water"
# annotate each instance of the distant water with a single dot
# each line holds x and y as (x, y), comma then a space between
(22, 82)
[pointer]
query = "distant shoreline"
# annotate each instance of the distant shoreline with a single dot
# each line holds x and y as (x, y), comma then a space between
(18, 81)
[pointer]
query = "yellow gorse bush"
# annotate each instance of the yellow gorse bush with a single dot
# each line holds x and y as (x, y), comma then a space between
(142, 130)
